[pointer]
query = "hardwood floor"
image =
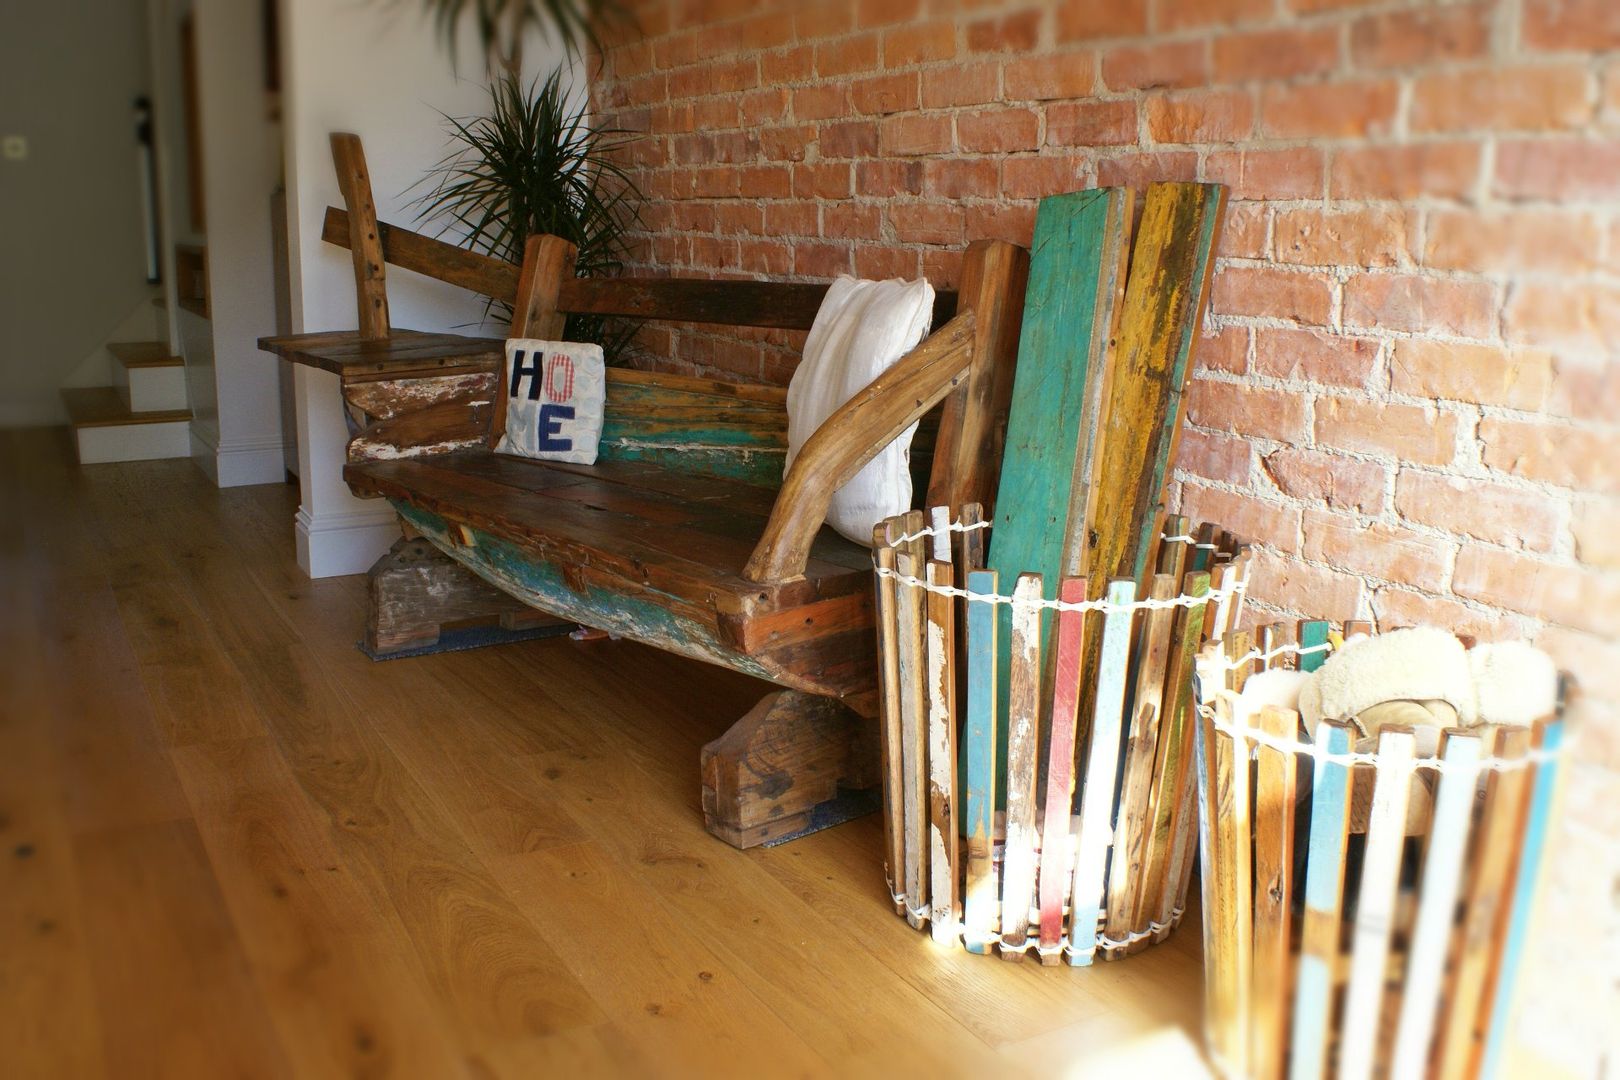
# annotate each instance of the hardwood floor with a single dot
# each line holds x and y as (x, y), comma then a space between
(230, 845)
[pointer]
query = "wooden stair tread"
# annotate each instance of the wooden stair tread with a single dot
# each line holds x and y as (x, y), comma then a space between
(100, 406)
(143, 354)
(345, 352)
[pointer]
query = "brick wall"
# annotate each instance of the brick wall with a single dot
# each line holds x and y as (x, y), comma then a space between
(1407, 390)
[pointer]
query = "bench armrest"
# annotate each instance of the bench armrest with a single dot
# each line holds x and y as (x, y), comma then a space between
(850, 438)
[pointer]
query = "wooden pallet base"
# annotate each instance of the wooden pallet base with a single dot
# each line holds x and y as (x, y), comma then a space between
(778, 771)
(417, 592)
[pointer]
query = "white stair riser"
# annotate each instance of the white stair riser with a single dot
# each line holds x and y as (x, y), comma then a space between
(134, 442)
(154, 389)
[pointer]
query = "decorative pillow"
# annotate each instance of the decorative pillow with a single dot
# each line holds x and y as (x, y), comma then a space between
(554, 392)
(861, 330)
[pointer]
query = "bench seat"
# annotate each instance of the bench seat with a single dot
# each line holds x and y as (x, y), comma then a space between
(647, 552)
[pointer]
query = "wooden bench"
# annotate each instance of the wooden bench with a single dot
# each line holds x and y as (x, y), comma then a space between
(684, 534)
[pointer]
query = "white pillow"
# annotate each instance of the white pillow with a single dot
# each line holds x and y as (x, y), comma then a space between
(863, 327)
(554, 392)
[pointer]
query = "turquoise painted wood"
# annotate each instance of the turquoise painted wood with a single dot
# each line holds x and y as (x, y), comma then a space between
(1324, 885)
(760, 466)
(1437, 907)
(1102, 774)
(979, 747)
(1524, 896)
(1046, 433)
(1312, 634)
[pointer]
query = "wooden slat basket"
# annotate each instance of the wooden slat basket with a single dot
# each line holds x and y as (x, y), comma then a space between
(1365, 905)
(1038, 737)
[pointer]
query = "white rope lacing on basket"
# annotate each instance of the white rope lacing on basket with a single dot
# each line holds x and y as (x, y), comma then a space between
(1064, 946)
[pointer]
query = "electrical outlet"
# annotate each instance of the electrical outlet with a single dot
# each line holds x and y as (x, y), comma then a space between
(14, 147)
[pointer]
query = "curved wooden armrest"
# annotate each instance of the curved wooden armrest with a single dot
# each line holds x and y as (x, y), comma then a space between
(851, 437)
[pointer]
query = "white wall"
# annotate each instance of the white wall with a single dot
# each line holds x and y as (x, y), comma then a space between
(378, 70)
(74, 264)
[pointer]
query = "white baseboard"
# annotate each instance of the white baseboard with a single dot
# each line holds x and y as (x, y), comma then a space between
(346, 544)
(239, 464)
(132, 442)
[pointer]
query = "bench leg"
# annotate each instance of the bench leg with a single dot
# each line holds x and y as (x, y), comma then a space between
(779, 770)
(416, 591)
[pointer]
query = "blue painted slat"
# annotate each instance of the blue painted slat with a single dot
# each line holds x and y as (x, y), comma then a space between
(979, 747)
(1324, 886)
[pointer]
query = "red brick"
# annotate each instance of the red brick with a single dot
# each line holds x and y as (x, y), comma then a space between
(1037, 177)
(791, 219)
(1390, 552)
(919, 44)
(997, 131)
(820, 260)
(1410, 302)
(1044, 78)
(1269, 291)
(813, 22)
(1079, 20)
(1314, 356)
(888, 178)
(821, 102)
(1564, 315)
(1328, 110)
(1245, 234)
(1438, 170)
(1273, 524)
(1368, 236)
(847, 55)
(1246, 410)
(1494, 513)
(717, 183)
(885, 93)
(961, 84)
(770, 257)
(1571, 168)
(1013, 223)
(738, 219)
(1512, 240)
(1294, 173)
(885, 12)
(1173, 65)
(1275, 54)
(962, 178)
(847, 220)
(942, 267)
(822, 181)
(1018, 32)
(1091, 123)
(1345, 483)
(853, 139)
(1182, 14)
(1585, 459)
(1225, 349)
(1393, 607)
(1476, 374)
(882, 261)
(1501, 99)
(1201, 116)
(789, 65)
(1405, 432)
(1314, 592)
(1584, 599)
(715, 114)
(911, 135)
(1576, 25)
(926, 223)
(1410, 39)
(1585, 387)
(786, 143)
(1221, 458)
(1140, 170)
(1597, 532)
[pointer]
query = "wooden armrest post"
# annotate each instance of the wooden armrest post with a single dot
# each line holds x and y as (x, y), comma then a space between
(973, 425)
(365, 243)
(548, 261)
(851, 437)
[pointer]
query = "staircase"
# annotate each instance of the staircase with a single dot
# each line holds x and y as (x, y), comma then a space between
(142, 416)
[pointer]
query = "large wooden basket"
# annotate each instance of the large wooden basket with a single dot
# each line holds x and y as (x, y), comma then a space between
(998, 696)
(1365, 907)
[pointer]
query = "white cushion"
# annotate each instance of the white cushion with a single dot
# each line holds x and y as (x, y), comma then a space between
(554, 392)
(863, 327)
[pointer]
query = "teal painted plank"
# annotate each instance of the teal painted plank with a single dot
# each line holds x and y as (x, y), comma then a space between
(1055, 387)
(1312, 634)
(1524, 896)
(1324, 886)
(761, 467)
(1102, 775)
(979, 747)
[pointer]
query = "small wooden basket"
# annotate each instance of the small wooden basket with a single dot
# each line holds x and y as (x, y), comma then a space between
(986, 730)
(1365, 908)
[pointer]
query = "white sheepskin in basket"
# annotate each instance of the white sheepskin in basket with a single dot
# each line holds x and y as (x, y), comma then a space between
(861, 330)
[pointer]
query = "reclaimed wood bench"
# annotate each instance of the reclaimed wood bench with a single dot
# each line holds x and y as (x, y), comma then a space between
(685, 534)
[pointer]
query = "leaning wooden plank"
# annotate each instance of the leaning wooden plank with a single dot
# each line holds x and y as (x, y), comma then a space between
(1174, 550)
(1220, 608)
(1503, 807)
(1220, 939)
(1128, 863)
(1524, 896)
(979, 738)
(1375, 904)
(1023, 698)
(973, 537)
(914, 724)
(1056, 836)
(365, 247)
(1102, 773)
(1324, 904)
(1437, 906)
(888, 629)
(1233, 872)
(942, 827)
(1273, 892)
(1313, 639)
